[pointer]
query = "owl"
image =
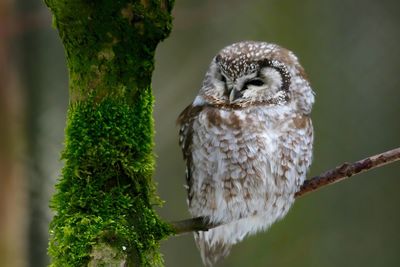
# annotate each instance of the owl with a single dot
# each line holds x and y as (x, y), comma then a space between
(247, 140)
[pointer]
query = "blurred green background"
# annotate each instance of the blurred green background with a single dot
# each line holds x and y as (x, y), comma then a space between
(350, 50)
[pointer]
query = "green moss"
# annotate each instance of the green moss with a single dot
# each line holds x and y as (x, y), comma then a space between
(110, 43)
(105, 196)
(106, 193)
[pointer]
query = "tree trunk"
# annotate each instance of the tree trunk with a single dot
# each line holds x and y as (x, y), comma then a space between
(105, 197)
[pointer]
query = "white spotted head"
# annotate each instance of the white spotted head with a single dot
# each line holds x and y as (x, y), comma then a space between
(255, 73)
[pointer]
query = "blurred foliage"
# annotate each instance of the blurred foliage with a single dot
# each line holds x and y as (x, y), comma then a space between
(349, 50)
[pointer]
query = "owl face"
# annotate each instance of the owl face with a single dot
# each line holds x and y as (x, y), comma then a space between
(251, 73)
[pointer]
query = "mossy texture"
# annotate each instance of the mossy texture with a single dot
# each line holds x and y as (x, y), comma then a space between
(110, 44)
(105, 195)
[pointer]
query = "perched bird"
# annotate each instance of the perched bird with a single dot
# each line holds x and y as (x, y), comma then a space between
(247, 140)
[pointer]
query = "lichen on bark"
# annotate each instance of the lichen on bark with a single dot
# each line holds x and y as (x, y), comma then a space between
(105, 195)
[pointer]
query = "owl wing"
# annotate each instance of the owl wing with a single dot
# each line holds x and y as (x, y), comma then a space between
(185, 121)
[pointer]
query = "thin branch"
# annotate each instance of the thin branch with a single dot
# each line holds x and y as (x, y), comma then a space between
(347, 170)
(335, 175)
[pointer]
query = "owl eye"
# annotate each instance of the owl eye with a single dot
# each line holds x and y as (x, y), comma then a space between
(223, 79)
(253, 82)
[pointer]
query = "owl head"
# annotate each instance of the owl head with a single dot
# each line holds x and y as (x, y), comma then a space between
(253, 73)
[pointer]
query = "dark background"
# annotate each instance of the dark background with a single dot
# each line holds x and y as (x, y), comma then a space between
(350, 51)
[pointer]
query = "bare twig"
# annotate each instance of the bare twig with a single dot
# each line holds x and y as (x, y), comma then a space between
(337, 174)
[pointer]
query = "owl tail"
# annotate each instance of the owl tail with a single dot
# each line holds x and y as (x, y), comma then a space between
(215, 244)
(211, 248)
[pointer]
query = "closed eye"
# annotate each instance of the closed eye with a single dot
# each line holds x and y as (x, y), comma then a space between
(253, 82)
(223, 79)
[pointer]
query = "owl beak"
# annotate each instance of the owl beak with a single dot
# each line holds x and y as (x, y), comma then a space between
(234, 94)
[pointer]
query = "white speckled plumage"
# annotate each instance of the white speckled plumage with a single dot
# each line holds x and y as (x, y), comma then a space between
(247, 140)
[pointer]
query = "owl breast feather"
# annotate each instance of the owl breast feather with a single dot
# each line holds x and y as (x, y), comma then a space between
(245, 163)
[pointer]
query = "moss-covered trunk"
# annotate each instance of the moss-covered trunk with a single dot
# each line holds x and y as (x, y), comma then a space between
(105, 196)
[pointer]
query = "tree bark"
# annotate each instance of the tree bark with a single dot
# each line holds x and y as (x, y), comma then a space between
(105, 197)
